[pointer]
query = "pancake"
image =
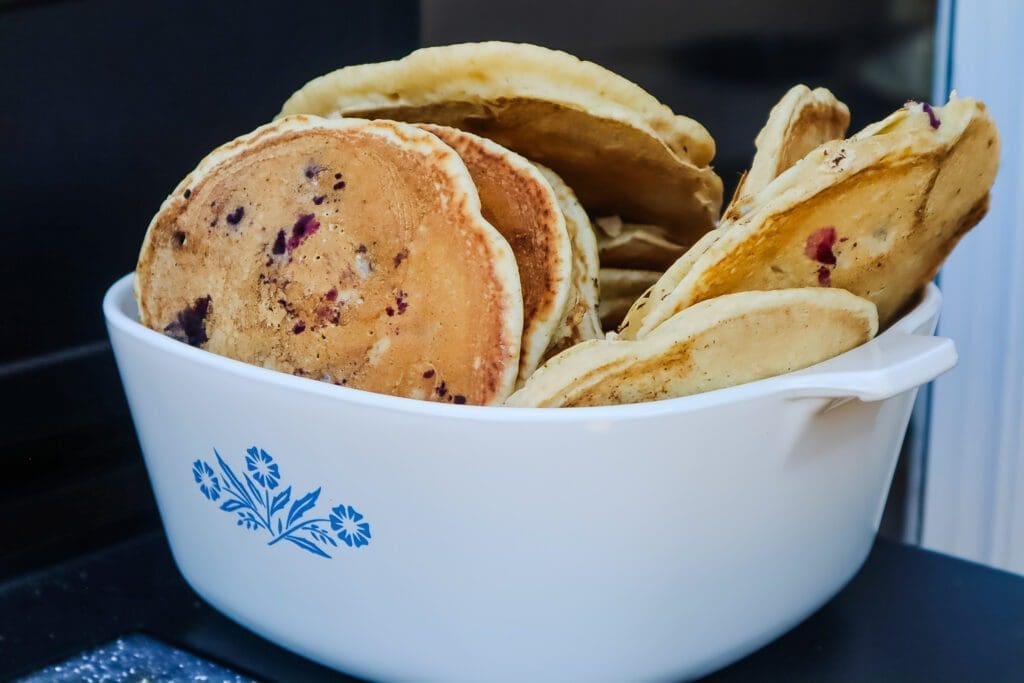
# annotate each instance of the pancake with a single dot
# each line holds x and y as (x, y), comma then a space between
(632, 320)
(876, 214)
(581, 321)
(635, 246)
(621, 150)
(705, 347)
(517, 200)
(347, 251)
(803, 120)
(620, 287)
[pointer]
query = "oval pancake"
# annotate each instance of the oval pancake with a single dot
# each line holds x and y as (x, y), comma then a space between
(705, 347)
(347, 251)
(621, 150)
(876, 214)
(581, 321)
(517, 200)
(801, 121)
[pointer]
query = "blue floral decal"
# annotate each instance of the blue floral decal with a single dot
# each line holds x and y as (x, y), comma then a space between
(208, 483)
(350, 526)
(260, 510)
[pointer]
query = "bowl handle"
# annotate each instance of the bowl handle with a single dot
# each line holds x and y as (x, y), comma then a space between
(896, 362)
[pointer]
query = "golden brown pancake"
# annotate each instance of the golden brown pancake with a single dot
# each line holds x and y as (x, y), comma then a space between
(347, 251)
(876, 214)
(620, 287)
(621, 150)
(581, 321)
(803, 120)
(517, 200)
(708, 346)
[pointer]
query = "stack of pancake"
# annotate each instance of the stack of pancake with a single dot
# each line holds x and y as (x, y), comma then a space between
(455, 226)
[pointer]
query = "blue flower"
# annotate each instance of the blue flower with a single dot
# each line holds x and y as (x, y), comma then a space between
(347, 522)
(262, 467)
(208, 483)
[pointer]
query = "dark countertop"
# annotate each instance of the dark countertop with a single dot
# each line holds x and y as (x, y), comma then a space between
(909, 615)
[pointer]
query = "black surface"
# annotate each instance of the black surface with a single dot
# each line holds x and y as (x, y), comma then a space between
(910, 615)
(107, 104)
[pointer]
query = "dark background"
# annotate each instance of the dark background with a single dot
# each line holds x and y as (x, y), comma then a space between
(106, 104)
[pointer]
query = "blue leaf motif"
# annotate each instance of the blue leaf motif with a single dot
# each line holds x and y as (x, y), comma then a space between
(307, 545)
(302, 506)
(280, 500)
(256, 495)
(231, 505)
(229, 475)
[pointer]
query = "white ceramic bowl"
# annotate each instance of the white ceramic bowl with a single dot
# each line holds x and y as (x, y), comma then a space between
(656, 541)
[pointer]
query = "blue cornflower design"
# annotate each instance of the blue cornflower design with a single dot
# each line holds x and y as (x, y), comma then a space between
(276, 513)
(204, 476)
(349, 525)
(262, 467)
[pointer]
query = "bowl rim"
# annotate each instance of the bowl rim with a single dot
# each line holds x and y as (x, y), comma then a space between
(119, 309)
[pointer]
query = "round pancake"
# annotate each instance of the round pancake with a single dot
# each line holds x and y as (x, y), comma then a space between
(347, 251)
(876, 214)
(581, 321)
(620, 288)
(801, 121)
(632, 320)
(705, 347)
(621, 150)
(517, 200)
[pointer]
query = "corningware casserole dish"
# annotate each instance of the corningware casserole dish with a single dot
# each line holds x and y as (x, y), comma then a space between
(406, 540)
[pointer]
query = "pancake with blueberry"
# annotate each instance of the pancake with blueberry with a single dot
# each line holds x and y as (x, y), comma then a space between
(348, 251)
(875, 214)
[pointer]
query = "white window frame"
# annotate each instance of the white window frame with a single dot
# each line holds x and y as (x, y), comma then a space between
(973, 476)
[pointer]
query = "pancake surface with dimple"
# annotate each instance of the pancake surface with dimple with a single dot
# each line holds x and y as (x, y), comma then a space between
(706, 347)
(517, 200)
(801, 121)
(580, 321)
(621, 150)
(876, 214)
(347, 251)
